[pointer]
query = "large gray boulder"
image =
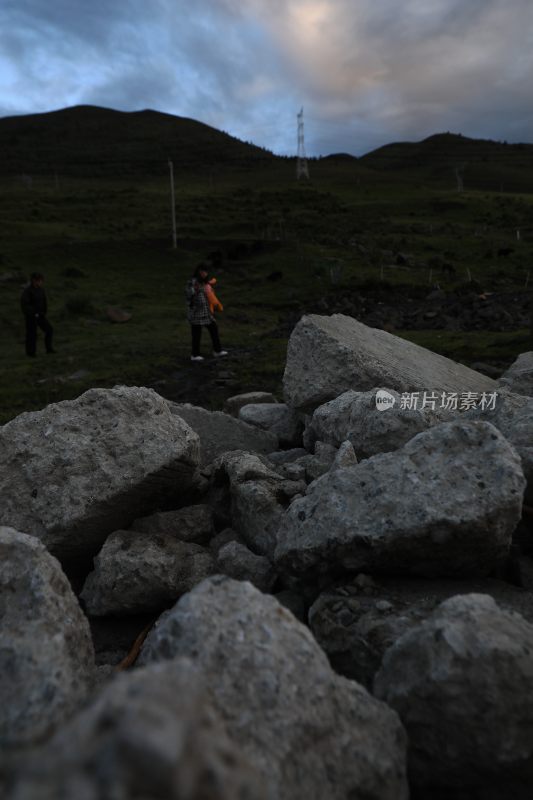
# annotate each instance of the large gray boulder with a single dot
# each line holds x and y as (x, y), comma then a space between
(277, 418)
(355, 417)
(221, 433)
(512, 414)
(445, 504)
(462, 683)
(77, 470)
(150, 734)
(326, 356)
(190, 524)
(355, 623)
(46, 653)
(140, 572)
(308, 732)
(519, 377)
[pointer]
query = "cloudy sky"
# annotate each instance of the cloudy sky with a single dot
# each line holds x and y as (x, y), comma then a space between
(367, 72)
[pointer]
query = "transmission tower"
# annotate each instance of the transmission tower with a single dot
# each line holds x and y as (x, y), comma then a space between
(302, 170)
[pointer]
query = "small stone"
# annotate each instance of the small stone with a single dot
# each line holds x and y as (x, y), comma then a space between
(277, 418)
(233, 404)
(237, 561)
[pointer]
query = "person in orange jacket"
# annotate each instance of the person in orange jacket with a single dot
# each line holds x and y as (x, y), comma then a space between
(200, 314)
(212, 299)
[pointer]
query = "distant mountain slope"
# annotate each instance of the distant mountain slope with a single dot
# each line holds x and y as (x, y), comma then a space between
(88, 140)
(483, 164)
(447, 149)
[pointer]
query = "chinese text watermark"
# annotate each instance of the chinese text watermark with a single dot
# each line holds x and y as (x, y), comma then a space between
(448, 401)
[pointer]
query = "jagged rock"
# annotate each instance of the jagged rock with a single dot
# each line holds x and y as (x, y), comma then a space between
(321, 462)
(462, 683)
(46, 653)
(345, 456)
(293, 471)
(513, 416)
(280, 457)
(307, 467)
(519, 377)
(237, 561)
(233, 404)
(308, 732)
(149, 734)
(355, 623)
(355, 417)
(258, 497)
(277, 418)
(445, 504)
(137, 572)
(77, 470)
(222, 538)
(191, 524)
(326, 356)
(220, 433)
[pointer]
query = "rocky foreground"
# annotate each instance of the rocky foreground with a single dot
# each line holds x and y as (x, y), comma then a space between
(329, 597)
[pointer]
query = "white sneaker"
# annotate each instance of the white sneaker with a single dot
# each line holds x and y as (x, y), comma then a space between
(197, 358)
(221, 353)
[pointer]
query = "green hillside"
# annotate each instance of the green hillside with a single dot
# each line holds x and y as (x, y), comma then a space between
(395, 246)
(87, 140)
(483, 164)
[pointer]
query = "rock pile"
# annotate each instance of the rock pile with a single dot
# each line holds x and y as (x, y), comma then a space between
(323, 587)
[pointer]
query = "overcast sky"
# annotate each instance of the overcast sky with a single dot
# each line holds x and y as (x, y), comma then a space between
(367, 72)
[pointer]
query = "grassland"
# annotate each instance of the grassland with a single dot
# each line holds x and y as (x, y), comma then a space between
(279, 246)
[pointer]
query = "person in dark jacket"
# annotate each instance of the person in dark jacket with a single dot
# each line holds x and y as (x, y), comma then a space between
(200, 315)
(34, 307)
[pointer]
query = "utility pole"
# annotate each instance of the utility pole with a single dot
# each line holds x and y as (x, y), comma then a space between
(459, 176)
(302, 170)
(173, 204)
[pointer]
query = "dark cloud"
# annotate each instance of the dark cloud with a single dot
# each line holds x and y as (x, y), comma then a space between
(367, 71)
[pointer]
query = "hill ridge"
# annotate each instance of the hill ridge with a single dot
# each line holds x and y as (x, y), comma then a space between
(92, 140)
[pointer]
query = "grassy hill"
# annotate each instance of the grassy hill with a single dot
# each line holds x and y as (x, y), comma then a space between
(92, 141)
(93, 214)
(484, 164)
